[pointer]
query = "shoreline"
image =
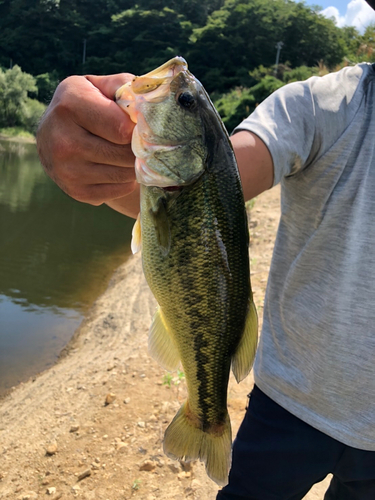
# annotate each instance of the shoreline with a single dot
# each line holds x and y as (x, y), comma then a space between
(90, 317)
(17, 138)
(56, 327)
(91, 426)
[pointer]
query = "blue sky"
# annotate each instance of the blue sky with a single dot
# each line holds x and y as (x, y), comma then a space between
(341, 5)
(347, 13)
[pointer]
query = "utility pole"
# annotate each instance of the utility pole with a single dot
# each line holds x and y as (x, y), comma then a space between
(84, 52)
(279, 46)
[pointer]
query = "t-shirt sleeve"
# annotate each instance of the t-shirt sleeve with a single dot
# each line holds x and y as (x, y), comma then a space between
(302, 120)
(285, 123)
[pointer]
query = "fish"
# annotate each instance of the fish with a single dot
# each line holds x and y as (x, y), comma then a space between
(193, 234)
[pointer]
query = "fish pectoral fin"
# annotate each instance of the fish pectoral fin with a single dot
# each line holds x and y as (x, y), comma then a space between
(161, 345)
(162, 226)
(185, 440)
(136, 243)
(243, 358)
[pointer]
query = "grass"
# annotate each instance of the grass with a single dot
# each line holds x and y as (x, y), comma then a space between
(136, 484)
(168, 378)
(250, 204)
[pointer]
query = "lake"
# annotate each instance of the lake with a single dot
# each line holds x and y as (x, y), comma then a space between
(56, 257)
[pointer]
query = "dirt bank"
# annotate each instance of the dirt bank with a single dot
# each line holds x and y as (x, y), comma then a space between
(92, 426)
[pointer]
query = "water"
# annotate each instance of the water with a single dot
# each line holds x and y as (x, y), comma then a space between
(56, 257)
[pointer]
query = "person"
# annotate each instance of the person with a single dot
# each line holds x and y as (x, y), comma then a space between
(312, 410)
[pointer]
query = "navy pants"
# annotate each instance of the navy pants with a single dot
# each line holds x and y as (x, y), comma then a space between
(276, 456)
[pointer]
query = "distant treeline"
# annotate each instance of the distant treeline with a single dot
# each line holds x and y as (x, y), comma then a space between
(224, 41)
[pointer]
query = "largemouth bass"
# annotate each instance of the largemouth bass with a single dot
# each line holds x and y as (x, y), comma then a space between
(194, 236)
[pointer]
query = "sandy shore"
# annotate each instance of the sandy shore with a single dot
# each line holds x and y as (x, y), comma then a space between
(91, 427)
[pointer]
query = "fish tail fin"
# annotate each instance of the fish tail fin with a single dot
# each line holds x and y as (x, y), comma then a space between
(185, 440)
(243, 358)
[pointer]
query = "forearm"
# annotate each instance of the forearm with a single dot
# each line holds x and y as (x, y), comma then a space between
(254, 163)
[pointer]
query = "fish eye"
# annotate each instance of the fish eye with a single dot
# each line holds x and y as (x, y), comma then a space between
(187, 100)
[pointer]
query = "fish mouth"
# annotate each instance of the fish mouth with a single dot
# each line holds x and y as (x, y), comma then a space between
(163, 75)
(172, 189)
(153, 86)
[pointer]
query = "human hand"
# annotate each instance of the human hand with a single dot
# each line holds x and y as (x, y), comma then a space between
(83, 143)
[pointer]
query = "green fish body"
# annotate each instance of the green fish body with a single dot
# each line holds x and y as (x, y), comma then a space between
(194, 237)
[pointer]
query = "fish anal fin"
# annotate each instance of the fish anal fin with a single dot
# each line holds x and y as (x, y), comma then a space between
(243, 358)
(136, 243)
(161, 345)
(185, 440)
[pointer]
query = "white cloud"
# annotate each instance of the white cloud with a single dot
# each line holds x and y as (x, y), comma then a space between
(334, 12)
(358, 14)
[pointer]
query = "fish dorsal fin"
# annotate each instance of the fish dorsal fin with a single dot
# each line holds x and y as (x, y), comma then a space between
(243, 358)
(136, 243)
(161, 345)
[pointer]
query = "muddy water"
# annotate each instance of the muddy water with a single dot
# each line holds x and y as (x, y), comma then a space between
(56, 257)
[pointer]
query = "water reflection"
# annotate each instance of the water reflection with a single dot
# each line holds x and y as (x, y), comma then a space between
(17, 178)
(56, 256)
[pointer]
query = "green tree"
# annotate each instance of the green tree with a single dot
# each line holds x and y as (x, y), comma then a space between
(46, 84)
(237, 104)
(195, 11)
(309, 38)
(221, 39)
(351, 38)
(243, 35)
(16, 108)
(366, 48)
(140, 40)
(29, 35)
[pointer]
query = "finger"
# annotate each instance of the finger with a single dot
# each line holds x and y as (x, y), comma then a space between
(99, 151)
(78, 100)
(97, 194)
(109, 84)
(86, 147)
(64, 147)
(97, 174)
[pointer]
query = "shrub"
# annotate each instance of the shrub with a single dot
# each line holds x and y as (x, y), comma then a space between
(16, 107)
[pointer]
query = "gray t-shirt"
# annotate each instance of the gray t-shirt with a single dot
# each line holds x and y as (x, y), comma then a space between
(316, 356)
